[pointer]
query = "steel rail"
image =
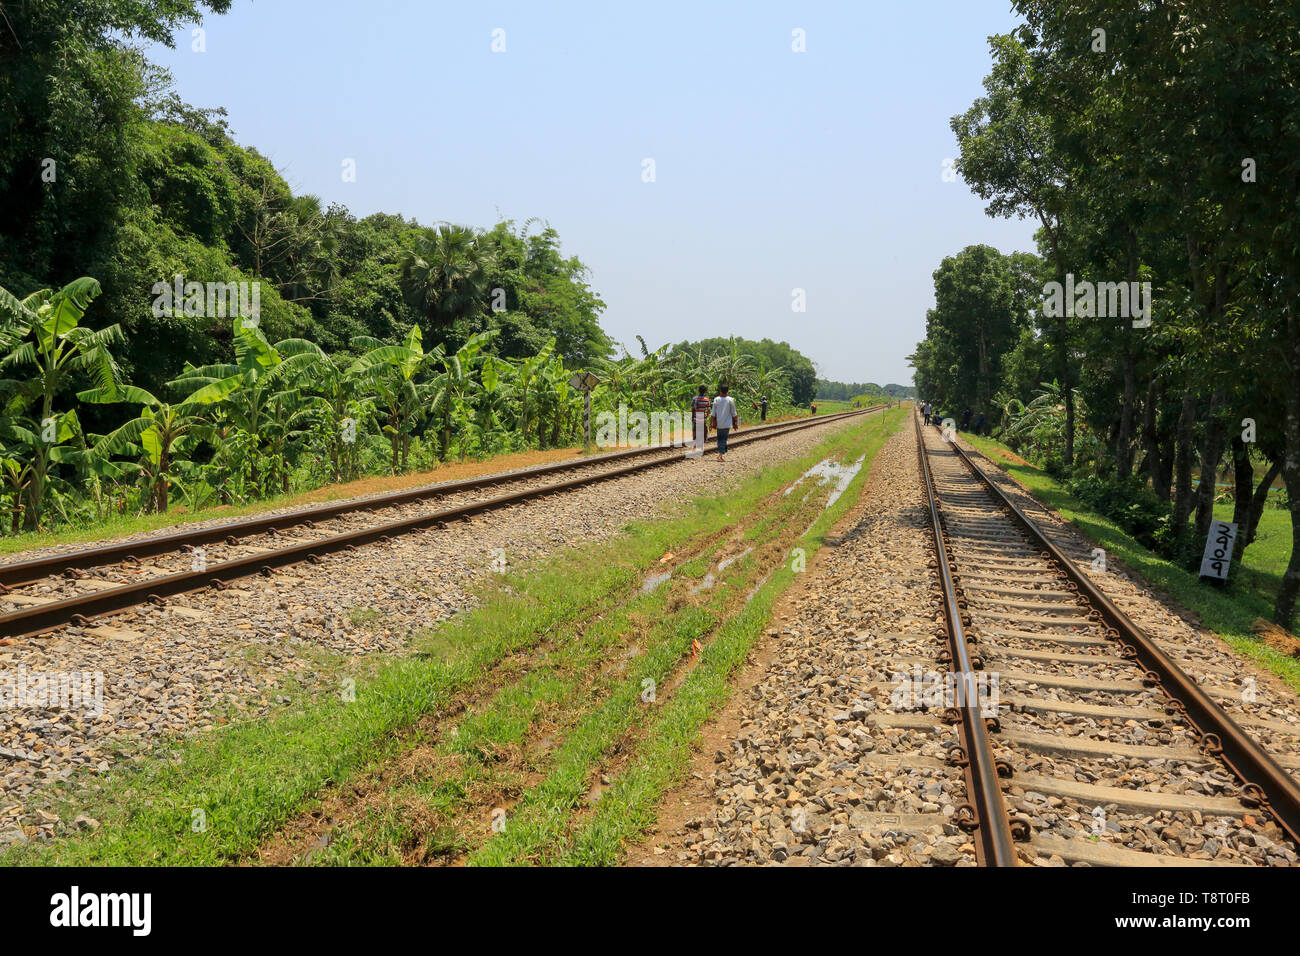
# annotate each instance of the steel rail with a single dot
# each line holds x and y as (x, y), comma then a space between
(80, 608)
(19, 573)
(1264, 782)
(991, 824)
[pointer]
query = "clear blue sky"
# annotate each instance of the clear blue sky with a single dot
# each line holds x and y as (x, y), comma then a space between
(775, 170)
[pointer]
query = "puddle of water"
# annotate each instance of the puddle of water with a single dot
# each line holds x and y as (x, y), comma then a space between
(826, 471)
(705, 583)
(653, 581)
(727, 562)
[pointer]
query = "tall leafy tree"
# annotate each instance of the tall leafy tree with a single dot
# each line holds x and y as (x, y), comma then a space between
(445, 274)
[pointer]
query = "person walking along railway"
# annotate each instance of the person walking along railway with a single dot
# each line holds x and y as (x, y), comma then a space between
(724, 418)
(700, 408)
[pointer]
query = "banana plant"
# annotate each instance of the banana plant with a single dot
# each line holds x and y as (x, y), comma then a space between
(765, 381)
(559, 404)
(16, 476)
(43, 333)
(159, 431)
(291, 415)
(452, 385)
(529, 384)
(244, 392)
(393, 371)
(733, 367)
(340, 413)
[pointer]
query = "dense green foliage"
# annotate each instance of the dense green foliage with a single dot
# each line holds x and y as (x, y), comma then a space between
(337, 346)
(1153, 144)
(794, 383)
(268, 416)
(982, 301)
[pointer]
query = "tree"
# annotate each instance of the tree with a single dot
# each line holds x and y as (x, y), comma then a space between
(445, 275)
(1010, 157)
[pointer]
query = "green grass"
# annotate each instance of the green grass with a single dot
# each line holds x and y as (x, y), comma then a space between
(1268, 554)
(419, 818)
(831, 406)
(550, 825)
(1227, 612)
(249, 779)
(559, 688)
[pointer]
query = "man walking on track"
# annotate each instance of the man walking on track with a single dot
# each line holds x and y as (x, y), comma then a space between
(725, 418)
(700, 407)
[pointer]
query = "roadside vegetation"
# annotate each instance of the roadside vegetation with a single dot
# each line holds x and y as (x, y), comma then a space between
(1147, 353)
(179, 330)
(1229, 612)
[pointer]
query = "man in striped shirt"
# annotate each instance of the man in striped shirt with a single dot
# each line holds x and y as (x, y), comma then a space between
(700, 406)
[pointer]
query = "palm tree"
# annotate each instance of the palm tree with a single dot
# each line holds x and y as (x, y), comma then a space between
(446, 275)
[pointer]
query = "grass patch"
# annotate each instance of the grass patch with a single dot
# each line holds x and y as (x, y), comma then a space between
(1267, 556)
(487, 759)
(554, 827)
(1228, 612)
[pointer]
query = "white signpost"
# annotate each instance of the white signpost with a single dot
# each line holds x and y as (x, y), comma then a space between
(585, 382)
(1218, 550)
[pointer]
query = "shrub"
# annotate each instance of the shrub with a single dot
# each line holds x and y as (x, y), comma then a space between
(1129, 503)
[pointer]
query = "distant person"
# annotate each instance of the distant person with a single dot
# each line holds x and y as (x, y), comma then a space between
(979, 423)
(724, 418)
(762, 408)
(700, 408)
(812, 409)
(965, 419)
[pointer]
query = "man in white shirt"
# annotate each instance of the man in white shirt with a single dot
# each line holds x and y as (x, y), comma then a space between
(724, 418)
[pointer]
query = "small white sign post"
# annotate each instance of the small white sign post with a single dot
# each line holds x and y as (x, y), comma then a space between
(1218, 550)
(585, 382)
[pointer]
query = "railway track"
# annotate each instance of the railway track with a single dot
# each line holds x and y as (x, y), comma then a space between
(1081, 739)
(73, 587)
